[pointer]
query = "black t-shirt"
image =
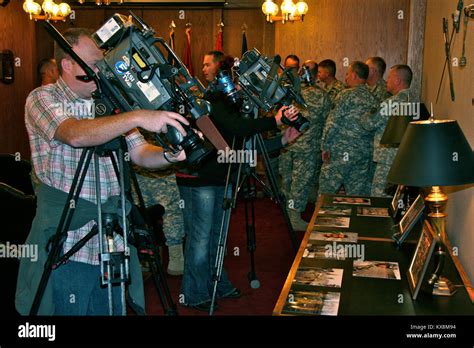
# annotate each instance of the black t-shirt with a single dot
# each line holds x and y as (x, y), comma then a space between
(230, 122)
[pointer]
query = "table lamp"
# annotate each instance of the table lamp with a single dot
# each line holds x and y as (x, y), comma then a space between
(395, 129)
(434, 153)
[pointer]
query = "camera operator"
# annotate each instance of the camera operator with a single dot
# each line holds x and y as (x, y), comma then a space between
(203, 191)
(60, 123)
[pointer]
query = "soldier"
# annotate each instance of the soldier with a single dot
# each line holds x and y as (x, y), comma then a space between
(48, 71)
(346, 146)
(398, 84)
(300, 164)
(375, 81)
(327, 75)
(159, 187)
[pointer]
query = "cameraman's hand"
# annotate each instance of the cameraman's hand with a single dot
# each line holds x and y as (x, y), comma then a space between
(290, 135)
(174, 157)
(158, 121)
(291, 112)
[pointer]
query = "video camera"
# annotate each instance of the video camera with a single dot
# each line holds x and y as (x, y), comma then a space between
(261, 86)
(141, 77)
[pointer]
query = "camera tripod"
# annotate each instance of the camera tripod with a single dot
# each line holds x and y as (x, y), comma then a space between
(245, 181)
(114, 264)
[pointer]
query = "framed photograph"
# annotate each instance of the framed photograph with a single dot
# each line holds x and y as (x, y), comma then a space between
(397, 197)
(409, 220)
(421, 259)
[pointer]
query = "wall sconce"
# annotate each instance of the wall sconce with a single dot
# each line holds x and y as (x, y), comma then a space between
(102, 2)
(51, 10)
(289, 11)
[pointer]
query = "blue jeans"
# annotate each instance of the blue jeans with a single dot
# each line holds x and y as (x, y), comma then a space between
(77, 291)
(202, 222)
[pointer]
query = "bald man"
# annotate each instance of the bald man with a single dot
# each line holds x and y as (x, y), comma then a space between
(48, 71)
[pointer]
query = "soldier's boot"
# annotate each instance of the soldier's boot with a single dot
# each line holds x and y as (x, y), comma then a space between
(296, 221)
(176, 260)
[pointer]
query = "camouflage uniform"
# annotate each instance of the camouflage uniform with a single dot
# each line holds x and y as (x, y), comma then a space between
(383, 155)
(379, 90)
(334, 89)
(300, 164)
(159, 187)
(348, 143)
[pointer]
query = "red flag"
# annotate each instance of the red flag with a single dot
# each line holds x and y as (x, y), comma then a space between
(187, 52)
(219, 41)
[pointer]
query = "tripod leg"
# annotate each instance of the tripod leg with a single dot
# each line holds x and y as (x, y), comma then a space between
(62, 228)
(221, 246)
(250, 228)
(161, 285)
(279, 196)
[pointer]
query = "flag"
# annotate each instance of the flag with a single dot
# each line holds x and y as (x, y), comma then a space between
(244, 42)
(219, 45)
(187, 52)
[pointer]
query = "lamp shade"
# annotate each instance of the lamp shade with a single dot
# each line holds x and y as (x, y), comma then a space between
(433, 153)
(395, 130)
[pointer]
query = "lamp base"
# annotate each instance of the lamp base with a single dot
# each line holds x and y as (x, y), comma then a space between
(444, 287)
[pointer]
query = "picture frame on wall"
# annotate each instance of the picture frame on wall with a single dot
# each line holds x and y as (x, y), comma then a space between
(421, 258)
(413, 214)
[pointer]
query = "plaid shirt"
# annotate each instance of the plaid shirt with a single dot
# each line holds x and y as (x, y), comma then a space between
(55, 163)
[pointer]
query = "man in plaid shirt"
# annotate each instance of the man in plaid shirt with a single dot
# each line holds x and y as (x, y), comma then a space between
(60, 123)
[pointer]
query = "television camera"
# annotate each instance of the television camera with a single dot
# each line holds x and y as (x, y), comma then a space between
(261, 87)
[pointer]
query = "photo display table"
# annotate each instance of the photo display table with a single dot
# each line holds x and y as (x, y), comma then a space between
(349, 264)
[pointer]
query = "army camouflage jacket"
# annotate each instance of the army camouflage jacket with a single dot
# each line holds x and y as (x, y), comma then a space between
(334, 89)
(343, 131)
(395, 105)
(379, 90)
(319, 105)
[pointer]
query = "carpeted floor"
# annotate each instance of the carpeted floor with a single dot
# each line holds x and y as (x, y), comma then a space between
(273, 259)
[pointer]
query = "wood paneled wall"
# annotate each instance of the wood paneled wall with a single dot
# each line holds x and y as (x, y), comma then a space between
(336, 29)
(17, 35)
(260, 34)
(352, 29)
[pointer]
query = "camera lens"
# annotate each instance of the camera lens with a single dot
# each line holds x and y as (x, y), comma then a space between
(226, 85)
